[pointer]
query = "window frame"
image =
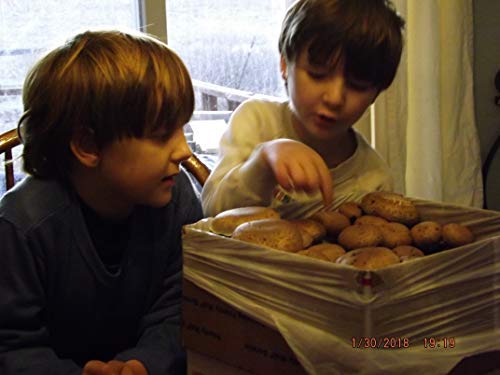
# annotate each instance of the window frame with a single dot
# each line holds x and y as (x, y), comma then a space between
(153, 18)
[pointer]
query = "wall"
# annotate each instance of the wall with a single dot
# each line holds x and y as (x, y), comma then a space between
(487, 63)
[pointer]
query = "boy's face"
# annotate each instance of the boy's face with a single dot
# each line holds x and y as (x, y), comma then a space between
(141, 170)
(324, 102)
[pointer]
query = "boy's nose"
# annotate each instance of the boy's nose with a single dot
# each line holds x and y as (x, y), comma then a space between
(182, 150)
(335, 91)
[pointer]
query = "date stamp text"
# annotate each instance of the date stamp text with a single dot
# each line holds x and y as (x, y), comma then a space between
(385, 342)
(380, 342)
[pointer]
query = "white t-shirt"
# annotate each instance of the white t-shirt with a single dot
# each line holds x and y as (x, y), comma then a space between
(238, 179)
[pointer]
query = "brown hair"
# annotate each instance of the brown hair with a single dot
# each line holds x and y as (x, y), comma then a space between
(116, 84)
(367, 34)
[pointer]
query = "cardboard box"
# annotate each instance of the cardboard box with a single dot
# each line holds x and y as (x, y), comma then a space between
(417, 317)
(219, 331)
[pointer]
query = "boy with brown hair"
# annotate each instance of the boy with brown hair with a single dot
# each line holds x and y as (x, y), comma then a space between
(91, 241)
(295, 155)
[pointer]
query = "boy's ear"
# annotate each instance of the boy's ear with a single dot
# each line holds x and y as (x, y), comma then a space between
(84, 147)
(283, 68)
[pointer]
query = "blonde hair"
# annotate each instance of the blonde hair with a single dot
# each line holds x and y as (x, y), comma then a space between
(114, 83)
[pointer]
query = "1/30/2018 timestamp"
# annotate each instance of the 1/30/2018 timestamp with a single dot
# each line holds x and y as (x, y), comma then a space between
(401, 342)
(380, 342)
(439, 342)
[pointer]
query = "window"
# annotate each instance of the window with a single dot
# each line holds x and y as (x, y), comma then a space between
(231, 50)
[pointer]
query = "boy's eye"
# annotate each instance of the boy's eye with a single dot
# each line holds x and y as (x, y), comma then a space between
(160, 137)
(359, 85)
(317, 74)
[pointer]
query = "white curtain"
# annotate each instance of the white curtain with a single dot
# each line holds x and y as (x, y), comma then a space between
(424, 124)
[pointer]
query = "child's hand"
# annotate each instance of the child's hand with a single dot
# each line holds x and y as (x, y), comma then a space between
(297, 166)
(132, 367)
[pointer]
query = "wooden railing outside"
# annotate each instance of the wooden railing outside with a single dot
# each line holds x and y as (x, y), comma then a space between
(215, 97)
(221, 98)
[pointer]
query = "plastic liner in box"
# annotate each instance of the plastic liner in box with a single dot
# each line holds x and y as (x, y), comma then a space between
(416, 317)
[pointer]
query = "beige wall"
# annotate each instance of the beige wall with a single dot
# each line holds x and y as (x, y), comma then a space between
(486, 64)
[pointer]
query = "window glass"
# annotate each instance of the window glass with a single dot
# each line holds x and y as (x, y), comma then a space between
(231, 50)
(229, 43)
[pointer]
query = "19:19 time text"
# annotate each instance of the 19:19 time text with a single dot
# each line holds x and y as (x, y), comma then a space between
(439, 342)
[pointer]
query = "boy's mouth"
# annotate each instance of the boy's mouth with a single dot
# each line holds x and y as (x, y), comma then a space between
(325, 120)
(171, 175)
(169, 179)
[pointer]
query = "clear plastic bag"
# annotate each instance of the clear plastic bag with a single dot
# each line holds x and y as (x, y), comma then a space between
(416, 317)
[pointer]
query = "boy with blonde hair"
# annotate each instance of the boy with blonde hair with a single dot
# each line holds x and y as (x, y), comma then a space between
(297, 155)
(91, 239)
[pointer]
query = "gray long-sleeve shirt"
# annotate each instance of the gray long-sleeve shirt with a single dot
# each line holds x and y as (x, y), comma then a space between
(60, 306)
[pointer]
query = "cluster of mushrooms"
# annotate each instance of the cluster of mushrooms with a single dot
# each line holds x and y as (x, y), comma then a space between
(384, 228)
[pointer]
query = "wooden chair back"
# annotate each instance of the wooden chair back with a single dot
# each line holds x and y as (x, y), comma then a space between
(197, 168)
(8, 141)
